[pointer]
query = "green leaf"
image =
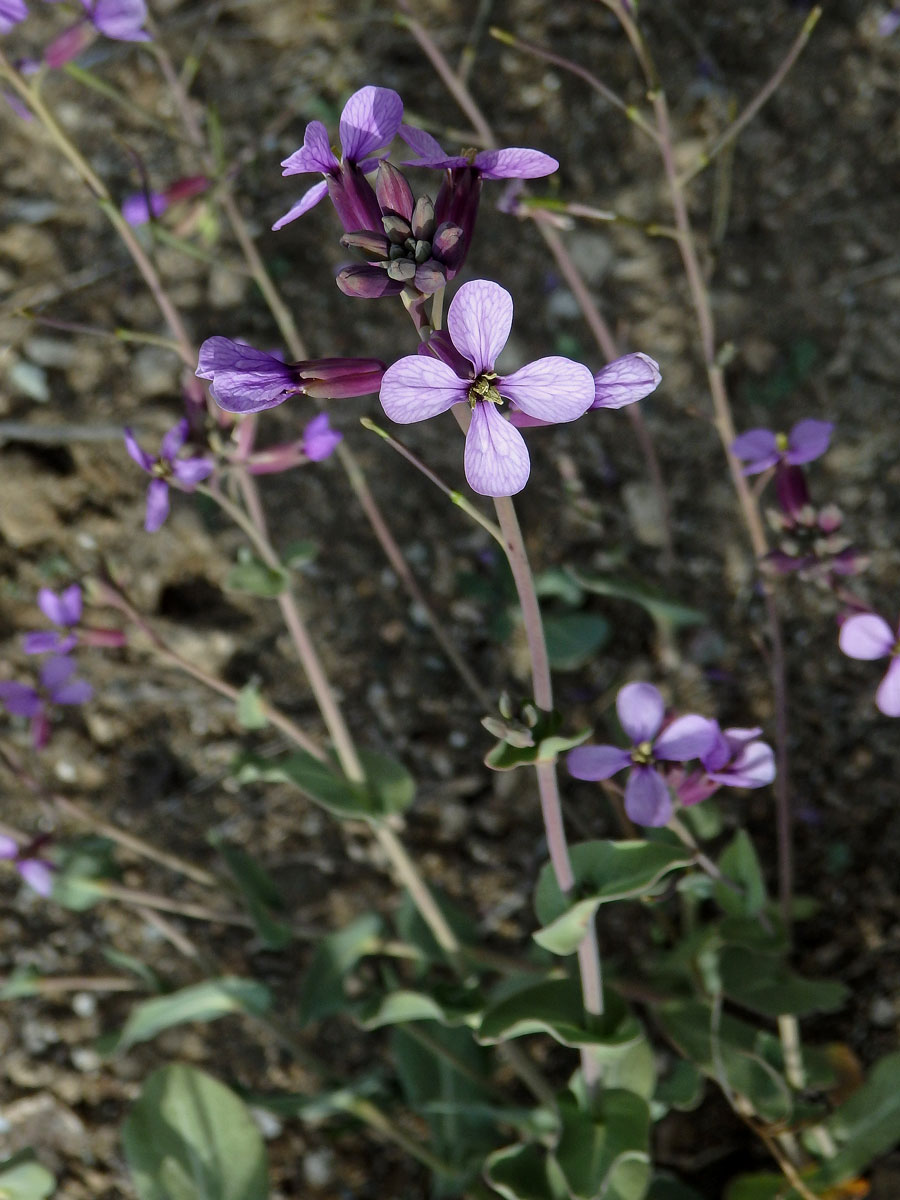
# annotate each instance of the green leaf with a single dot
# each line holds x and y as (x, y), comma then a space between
(250, 711)
(740, 864)
(254, 578)
(396, 1008)
(761, 1185)
(322, 991)
(23, 981)
(259, 892)
(606, 1152)
(128, 962)
(204, 1001)
(390, 787)
(300, 554)
(83, 864)
(322, 1105)
(188, 1137)
(667, 614)
(867, 1125)
(554, 1006)
(526, 1172)
(560, 585)
(681, 1087)
(765, 984)
(574, 638)
(23, 1178)
(604, 872)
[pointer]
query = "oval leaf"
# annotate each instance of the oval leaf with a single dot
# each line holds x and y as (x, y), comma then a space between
(554, 1006)
(203, 1002)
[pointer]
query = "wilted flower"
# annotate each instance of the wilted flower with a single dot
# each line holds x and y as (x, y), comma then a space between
(62, 609)
(648, 800)
(57, 686)
(868, 636)
(761, 448)
(167, 469)
(245, 380)
(368, 125)
(36, 872)
(478, 324)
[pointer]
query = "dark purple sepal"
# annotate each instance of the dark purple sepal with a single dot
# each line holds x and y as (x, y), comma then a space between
(791, 489)
(354, 199)
(367, 282)
(457, 203)
(449, 247)
(338, 378)
(368, 242)
(393, 192)
(441, 347)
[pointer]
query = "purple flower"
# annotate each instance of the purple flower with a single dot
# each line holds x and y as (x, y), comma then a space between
(515, 162)
(118, 19)
(63, 610)
(36, 872)
(735, 759)
(167, 469)
(245, 380)
(761, 448)
(57, 686)
(319, 439)
(369, 123)
(625, 380)
(140, 207)
(478, 323)
(648, 800)
(11, 13)
(868, 636)
(889, 23)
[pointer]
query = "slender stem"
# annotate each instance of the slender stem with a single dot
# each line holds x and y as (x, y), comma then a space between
(52, 985)
(199, 912)
(514, 545)
(417, 888)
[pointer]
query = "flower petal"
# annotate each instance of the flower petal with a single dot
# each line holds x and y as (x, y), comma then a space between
(479, 320)
(174, 440)
(315, 154)
(597, 762)
(52, 606)
(141, 457)
(647, 798)
(416, 388)
(37, 874)
(120, 19)
(70, 600)
(79, 691)
(191, 471)
(687, 737)
(758, 448)
(866, 635)
(552, 389)
(20, 700)
(370, 121)
(45, 643)
(753, 767)
(9, 847)
(808, 440)
(57, 671)
(641, 710)
(319, 439)
(496, 458)
(431, 153)
(308, 200)
(626, 380)
(515, 162)
(157, 505)
(887, 698)
(245, 379)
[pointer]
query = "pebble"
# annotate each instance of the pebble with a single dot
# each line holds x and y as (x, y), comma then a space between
(318, 1168)
(29, 380)
(154, 372)
(51, 352)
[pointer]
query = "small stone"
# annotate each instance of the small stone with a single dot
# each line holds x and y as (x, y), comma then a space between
(29, 380)
(318, 1168)
(155, 372)
(51, 352)
(84, 1004)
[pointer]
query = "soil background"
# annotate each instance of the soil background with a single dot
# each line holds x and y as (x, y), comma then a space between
(799, 226)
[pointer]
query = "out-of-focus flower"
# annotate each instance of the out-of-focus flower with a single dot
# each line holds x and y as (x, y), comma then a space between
(761, 448)
(319, 440)
(889, 23)
(167, 469)
(868, 636)
(57, 686)
(809, 541)
(736, 758)
(11, 13)
(122, 20)
(62, 609)
(245, 380)
(368, 125)
(36, 872)
(478, 323)
(648, 800)
(141, 207)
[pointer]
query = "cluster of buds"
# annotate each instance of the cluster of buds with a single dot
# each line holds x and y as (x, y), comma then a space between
(809, 540)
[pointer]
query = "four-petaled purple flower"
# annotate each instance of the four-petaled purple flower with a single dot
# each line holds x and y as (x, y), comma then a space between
(368, 125)
(62, 609)
(167, 469)
(868, 636)
(36, 872)
(735, 759)
(478, 322)
(11, 13)
(245, 380)
(648, 800)
(761, 448)
(319, 439)
(57, 686)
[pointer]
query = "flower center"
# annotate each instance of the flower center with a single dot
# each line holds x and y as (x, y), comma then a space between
(781, 443)
(483, 389)
(161, 469)
(642, 755)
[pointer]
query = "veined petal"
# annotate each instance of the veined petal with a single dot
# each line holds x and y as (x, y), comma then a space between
(515, 162)
(625, 380)
(687, 737)
(37, 874)
(315, 154)
(496, 457)
(866, 635)
(174, 440)
(416, 388)
(245, 379)
(369, 122)
(596, 762)
(887, 698)
(808, 440)
(479, 320)
(641, 710)
(157, 505)
(308, 200)
(430, 151)
(647, 797)
(758, 448)
(552, 389)
(144, 460)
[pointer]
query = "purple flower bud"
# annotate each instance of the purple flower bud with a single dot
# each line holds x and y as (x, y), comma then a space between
(68, 45)
(625, 380)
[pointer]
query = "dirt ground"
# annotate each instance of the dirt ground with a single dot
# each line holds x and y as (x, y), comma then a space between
(801, 228)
